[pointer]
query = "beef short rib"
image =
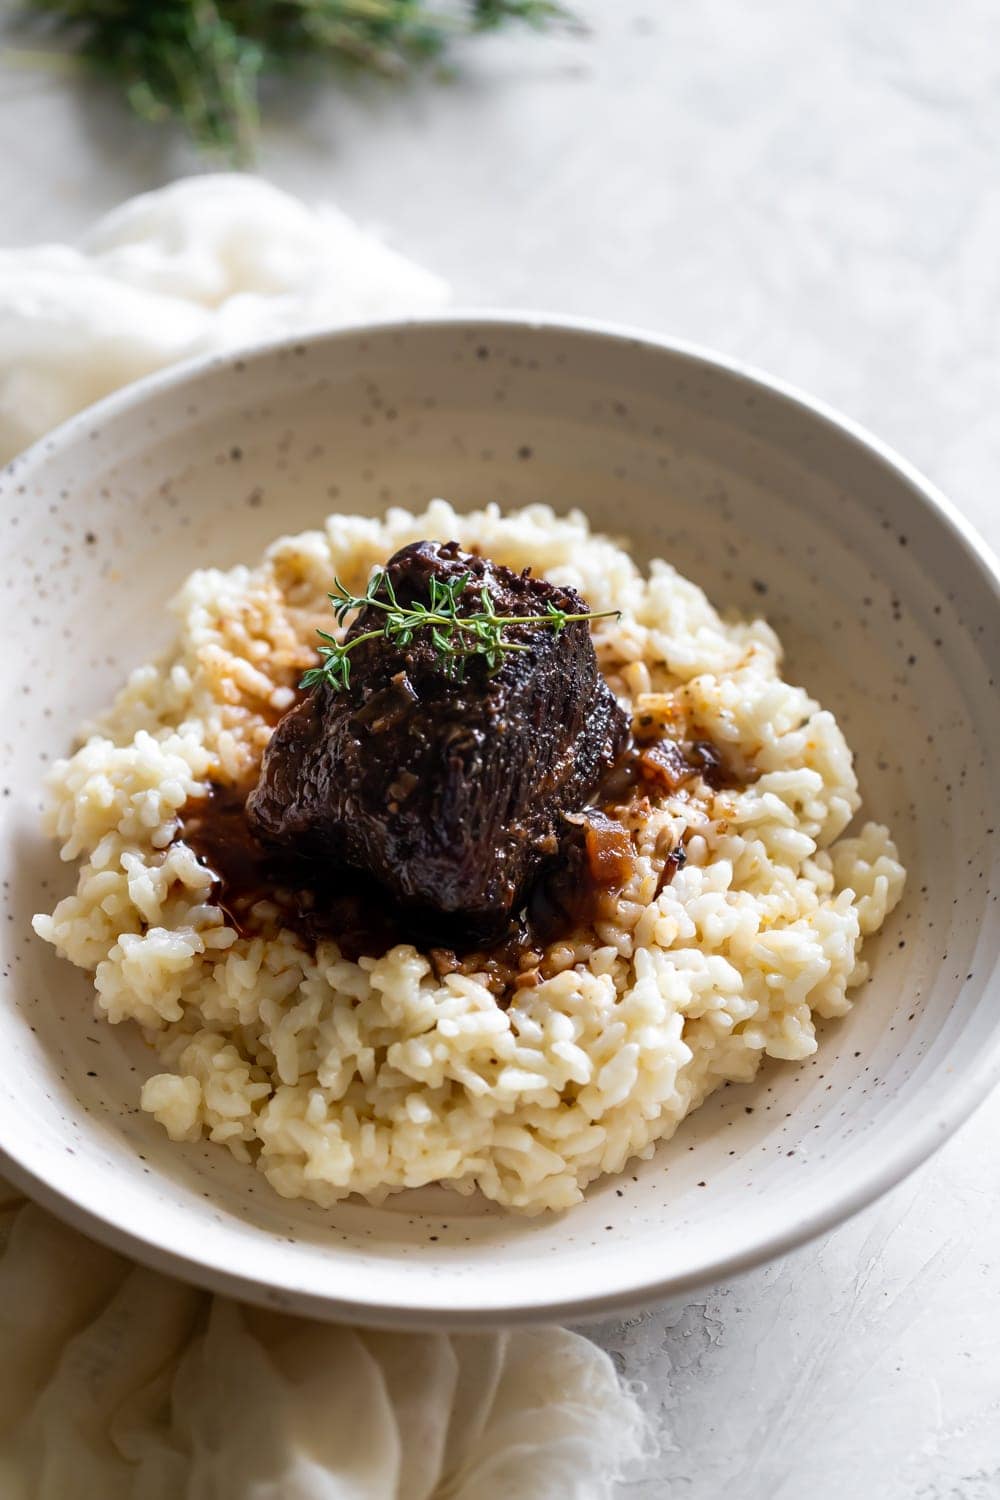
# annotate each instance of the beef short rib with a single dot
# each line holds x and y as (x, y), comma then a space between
(449, 793)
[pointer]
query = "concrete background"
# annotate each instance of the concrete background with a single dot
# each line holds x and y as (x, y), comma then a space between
(812, 187)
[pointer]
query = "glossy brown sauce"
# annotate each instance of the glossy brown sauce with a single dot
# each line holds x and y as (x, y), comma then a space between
(260, 889)
(314, 899)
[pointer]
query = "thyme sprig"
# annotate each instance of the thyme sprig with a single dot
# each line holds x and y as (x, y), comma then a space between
(201, 63)
(456, 637)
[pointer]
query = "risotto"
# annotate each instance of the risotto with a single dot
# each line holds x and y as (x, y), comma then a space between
(337, 1074)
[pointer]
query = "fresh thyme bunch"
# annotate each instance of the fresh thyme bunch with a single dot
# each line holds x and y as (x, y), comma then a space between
(200, 61)
(455, 637)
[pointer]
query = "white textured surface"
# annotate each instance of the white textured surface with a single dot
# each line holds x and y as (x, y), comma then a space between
(814, 188)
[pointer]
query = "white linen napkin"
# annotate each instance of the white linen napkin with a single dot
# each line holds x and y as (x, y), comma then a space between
(202, 266)
(118, 1383)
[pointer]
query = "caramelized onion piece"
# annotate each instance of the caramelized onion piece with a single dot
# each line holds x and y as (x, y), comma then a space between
(609, 851)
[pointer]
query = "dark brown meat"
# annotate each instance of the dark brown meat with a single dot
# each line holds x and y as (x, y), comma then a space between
(449, 793)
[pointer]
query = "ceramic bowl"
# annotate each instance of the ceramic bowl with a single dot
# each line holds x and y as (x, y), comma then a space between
(886, 602)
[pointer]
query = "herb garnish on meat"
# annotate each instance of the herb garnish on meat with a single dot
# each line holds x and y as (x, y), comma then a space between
(456, 637)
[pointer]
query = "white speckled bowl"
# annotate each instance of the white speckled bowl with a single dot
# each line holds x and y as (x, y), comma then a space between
(887, 605)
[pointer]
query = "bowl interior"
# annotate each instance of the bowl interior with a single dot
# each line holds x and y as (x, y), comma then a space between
(887, 617)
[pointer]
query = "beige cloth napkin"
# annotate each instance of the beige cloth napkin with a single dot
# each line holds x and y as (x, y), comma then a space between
(117, 1383)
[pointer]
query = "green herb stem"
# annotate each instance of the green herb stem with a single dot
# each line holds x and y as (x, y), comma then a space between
(200, 62)
(455, 637)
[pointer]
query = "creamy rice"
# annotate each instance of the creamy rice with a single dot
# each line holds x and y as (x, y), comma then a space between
(338, 1077)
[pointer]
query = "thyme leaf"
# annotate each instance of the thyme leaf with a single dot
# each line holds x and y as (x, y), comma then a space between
(200, 63)
(456, 637)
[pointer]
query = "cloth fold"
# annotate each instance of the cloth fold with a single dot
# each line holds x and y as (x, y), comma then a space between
(118, 1383)
(199, 267)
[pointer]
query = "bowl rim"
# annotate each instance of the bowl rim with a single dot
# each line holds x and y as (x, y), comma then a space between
(875, 1175)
